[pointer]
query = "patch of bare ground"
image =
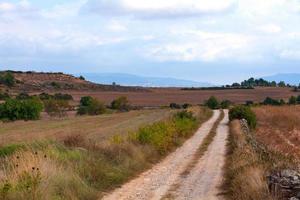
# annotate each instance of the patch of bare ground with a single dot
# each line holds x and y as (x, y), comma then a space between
(154, 183)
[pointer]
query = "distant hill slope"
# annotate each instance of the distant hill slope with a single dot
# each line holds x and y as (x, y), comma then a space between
(42, 81)
(291, 78)
(134, 80)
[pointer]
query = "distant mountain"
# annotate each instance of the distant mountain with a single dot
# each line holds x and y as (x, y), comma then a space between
(134, 80)
(291, 78)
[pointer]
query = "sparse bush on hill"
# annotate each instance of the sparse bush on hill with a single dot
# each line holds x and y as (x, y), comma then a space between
(91, 106)
(23, 96)
(293, 100)
(7, 78)
(60, 96)
(175, 106)
(212, 103)
(14, 109)
(243, 112)
(56, 108)
(81, 78)
(121, 104)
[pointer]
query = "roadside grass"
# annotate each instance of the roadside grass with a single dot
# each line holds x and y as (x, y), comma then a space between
(248, 164)
(78, 168)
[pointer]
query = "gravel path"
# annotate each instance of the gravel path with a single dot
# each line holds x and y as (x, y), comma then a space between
(156, 182)
(203, 181)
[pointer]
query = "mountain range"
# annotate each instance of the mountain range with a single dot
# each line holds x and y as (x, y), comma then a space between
(144, 81)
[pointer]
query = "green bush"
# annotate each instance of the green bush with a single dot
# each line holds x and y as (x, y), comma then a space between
(7, 78)
(225, 104)
(56, 108)
(91, 106)
(121, 104)
(270, 101)
(243, 112)
(293, 100)
(212, 103)
(14, 109)
(60, 96)
(4, 95)
(23, 96)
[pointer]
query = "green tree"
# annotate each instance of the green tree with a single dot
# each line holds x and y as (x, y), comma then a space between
(121, 104)
(212, 103)
(8, 79)
(243, 112)
(293, 100)
(225, 104)
(91, 106)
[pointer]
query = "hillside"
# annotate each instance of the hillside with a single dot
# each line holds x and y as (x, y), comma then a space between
(40, 81)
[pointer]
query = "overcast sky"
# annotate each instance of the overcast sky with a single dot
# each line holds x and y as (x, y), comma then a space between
(219, 41)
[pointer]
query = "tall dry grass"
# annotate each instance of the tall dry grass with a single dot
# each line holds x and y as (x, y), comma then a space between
(84, 169)
(245, 171)
(279, 128)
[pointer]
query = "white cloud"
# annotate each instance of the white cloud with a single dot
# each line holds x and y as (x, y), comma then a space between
(270, 28)
(116, 26)
(159, 8)
(290, 54)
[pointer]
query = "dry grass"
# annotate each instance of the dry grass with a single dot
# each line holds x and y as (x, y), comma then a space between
(81, 170)
(91, 127)
(279, 128)
(245, 171)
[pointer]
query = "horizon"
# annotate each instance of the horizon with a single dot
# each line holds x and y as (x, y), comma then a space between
(203, 41)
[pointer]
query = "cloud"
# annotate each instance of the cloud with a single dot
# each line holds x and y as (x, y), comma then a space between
(290, 54)
(22, 9)
(157, 9)
(270, 28)
(116, 26)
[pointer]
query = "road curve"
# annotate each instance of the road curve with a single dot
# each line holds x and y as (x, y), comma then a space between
(156, 182)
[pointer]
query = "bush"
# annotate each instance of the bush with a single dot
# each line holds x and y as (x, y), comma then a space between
(45, 96)
(121, 104)
(249, 103)
(81, 78)
(270, 101)
(225, 104)
(60, 96)
(212, 103)
(56, 108)
(91, 106)
(23, 96)
(14, 109)
(243, 112)
(293, 100)
(4, 95)
(186, 105)
(175, 106)
(8, 79)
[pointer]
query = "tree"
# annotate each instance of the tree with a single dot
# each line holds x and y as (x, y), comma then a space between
(281, 84)
(81, 78)
(225, 104)
(86, 100)
(243, 112)
(91, 106)
(56, 108)
(121, 104)
(212, 103)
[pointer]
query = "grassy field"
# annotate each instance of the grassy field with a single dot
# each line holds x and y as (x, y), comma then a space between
(165, 96)
(91, 127)
(279, 128)
(111, 150)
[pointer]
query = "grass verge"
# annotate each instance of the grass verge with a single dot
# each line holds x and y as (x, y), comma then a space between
(80, 169)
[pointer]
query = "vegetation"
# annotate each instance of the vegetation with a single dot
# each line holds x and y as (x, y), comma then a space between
(91, 106)
(212, 103)
(243, 112)
(81, 78)
(225, 104)
(14, 109)
(56, 108)
(121, 104)
(51, 170)
(7, 78)
(293, 100)
(4, 95)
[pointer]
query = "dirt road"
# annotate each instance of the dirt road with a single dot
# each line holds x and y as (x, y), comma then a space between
(201, 183)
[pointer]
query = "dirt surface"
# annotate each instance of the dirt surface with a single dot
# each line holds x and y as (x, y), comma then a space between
(203, 181)
(165, 96)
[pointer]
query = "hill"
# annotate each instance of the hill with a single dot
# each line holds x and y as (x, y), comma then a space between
(291, 78)
(144, 81)
(46, 81)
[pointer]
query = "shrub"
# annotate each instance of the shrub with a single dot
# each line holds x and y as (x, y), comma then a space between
(212, 103)
(8, 79)
(56, 108)
(81, 78)
(4, 95)
(293, 100)
(248, 103)
(270, 101)
(121, 104)
(23, 96)
(60, 96)
(225, 104)
(243, 112)
(175, 106)
(14, 109)
(186, 105)
(91, 106)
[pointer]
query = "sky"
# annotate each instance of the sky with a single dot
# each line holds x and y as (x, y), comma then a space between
(217, 41)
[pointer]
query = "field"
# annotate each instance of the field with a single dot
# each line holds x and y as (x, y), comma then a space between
(92, 127)
(279, 128)
(165, 96)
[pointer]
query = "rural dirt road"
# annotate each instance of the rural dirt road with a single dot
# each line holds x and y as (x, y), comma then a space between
(202, 181)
